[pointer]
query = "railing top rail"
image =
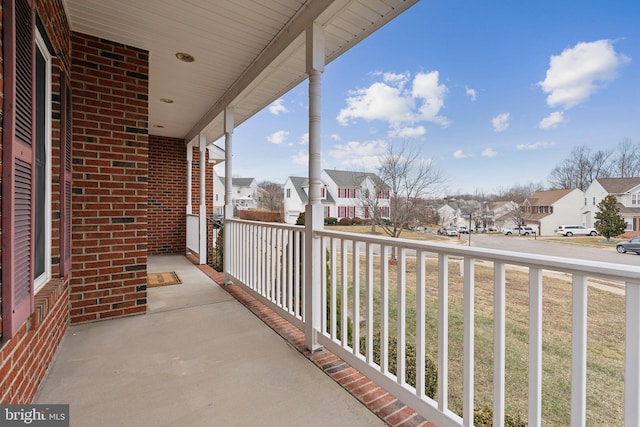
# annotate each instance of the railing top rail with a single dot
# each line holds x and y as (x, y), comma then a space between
(618, 272)
(267, 224)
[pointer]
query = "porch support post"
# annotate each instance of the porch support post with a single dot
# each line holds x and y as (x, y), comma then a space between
(202, 250)
(228, 189)
(189, 178)
(313, 265)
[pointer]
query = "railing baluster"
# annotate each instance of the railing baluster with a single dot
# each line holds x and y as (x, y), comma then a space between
(370, 284)
(356, 297)
(323, 291)
(297, 278)
(384, 309)
(344, 286)
(632, 355)
(443, 332)
(421, 276)
(579, 351)
(469, 341)
(334, 309)
(279, 267)
(401, 290)
(535, 347)
(499, 338)
(289, 260)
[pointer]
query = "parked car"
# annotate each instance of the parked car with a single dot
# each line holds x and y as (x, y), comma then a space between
(463, 229)
(450, 231)
(632, 245)
(522, 231)
(217, 220)
(578, 230)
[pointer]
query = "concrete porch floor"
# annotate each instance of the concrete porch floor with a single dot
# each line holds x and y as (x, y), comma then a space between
(197, 358)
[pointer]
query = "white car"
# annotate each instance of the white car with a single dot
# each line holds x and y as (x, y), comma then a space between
(522, 231)
(577, 230)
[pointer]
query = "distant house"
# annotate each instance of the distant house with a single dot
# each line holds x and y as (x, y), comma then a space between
(244, 194)
(549, 209)
(344, 194)
(502, 214)
(626, 190)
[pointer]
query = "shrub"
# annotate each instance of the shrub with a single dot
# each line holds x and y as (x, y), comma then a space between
(483, 417)
(300, 220)
(330, 221)
(356, 221)
(345, 221)
(218, 252)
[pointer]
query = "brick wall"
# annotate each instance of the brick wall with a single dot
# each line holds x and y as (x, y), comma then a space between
(110, 167)
(25, 358)
(167, 196)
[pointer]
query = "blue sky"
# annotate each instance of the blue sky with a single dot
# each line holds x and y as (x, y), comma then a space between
(495, 93)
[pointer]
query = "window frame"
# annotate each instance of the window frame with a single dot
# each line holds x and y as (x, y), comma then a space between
(41, 46)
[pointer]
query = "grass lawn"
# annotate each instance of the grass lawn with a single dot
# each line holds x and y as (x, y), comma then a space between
(605, 379)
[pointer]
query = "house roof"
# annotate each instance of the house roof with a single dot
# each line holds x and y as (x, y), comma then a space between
(353, 179)
(242, 182)
(300, 183)
(247, 53)
(548, 198)
(618, 185)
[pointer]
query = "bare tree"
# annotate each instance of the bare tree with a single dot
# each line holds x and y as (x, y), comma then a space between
(626, 160)
(271, 196)
(581, 168)
(410, 178)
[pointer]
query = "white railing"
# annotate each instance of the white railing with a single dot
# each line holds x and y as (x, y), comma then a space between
(193, 233)
(268, 259)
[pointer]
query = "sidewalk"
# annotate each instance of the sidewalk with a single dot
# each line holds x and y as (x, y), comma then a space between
(197, 358)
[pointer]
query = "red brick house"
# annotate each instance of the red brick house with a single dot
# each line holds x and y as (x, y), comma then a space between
(103, 103)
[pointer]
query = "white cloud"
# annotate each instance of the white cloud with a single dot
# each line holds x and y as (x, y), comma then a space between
(579, 71)
(278, 107)
(471, 93)
(389, 101)
(278, 137)
(336, 137)
(304, 139)
(407, 132)
(300, 158)
(489, 152)
(500, 122)
(364, 155)
(459, 154)
(553, 120)
(535, 146)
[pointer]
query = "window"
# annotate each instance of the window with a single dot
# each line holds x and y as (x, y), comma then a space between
(585, 201)
(327, 211)
(629, 222)
(288, 193)
(635, 199)
(594, 201)
(42, 212)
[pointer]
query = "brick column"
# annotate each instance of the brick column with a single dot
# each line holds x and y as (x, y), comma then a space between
(110, 147)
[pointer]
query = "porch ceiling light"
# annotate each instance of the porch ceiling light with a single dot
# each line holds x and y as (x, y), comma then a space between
(159, 126)
(185, 57)
(166, 100)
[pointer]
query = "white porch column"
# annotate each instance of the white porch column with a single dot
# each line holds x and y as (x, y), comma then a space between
(228, 187)
(313, 213)
(189, 178)
(202, 250)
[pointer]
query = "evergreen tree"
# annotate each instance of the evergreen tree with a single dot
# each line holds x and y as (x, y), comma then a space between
(609, 223)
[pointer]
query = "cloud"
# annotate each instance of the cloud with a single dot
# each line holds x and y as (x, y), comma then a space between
(535, 146)
(278, 137)
(359, 154)
(489, 152)
(500, 122)
(304, 139)
(301, 158)
(553, 120)
(471, 93)
(336, 137)
(408, 132)
(580, 71)
(459, 154)
(389, 101)
(278, 107)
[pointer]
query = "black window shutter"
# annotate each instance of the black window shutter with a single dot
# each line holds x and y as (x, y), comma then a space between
(65, 176)
(18, 154)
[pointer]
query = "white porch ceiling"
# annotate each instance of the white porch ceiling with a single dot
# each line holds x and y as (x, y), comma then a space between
(247, 52)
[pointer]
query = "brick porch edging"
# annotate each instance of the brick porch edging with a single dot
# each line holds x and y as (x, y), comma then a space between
(386, 406)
